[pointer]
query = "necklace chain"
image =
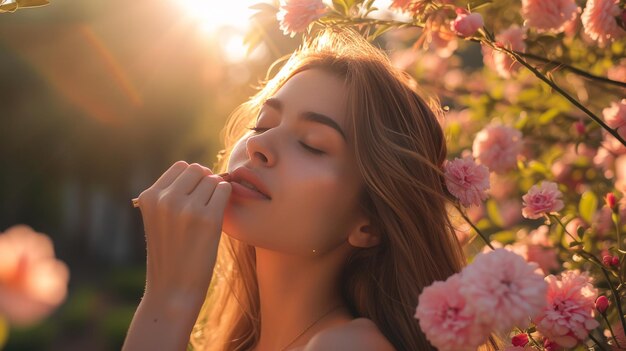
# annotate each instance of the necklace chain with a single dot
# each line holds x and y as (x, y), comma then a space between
(310, 326)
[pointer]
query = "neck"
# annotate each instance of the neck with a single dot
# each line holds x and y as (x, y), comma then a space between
(295, 292)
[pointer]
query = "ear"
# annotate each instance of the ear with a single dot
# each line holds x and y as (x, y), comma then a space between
(363, 235)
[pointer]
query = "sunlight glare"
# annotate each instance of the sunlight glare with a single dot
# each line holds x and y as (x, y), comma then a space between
(212, 15)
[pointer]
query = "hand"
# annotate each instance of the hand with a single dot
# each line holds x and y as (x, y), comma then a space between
(182, 215)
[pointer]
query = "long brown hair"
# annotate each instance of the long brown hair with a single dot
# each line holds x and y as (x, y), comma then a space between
(400, 148)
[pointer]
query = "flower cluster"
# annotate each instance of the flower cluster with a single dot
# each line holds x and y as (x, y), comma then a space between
(497, 291)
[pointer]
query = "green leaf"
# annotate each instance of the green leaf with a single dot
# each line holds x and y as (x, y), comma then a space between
(379, 31)
(548, 116)
(539, 167)
(504, 237)
(588, 205)
(494, 213)
(341, 6)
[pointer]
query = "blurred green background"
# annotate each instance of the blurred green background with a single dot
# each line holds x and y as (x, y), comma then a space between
(97, 99)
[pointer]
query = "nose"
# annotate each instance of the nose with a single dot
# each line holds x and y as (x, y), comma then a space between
(259, 151)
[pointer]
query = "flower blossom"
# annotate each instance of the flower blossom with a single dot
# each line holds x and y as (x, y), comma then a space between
(542, 199)
(466, 24)
(536, 247)
(549, 16)
(32, 281)
(599, 21)
(296, 15)
(511, 38)
(615, 117)
(569, 313)
(467, 180)
(501, 281)
(497, 147)
(447, 319)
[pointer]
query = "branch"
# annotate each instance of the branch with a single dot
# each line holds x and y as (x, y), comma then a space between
(560, 91)
(571, 68)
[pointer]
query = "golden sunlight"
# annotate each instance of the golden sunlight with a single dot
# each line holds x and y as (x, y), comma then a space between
(212, 15)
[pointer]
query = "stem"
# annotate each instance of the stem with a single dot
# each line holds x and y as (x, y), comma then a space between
(534, 341)
(615, 219)
(615, 298)
(571, 68)
(564, 229)
(597, 342)
(483, 236)
(562, 92)
(610, 329)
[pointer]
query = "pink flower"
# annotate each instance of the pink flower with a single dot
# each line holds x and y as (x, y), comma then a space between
(568, 314)
(542, 199)
(446, 318)
(296, 15)
(497, 147)
(511, 38)
(544, 256)
(548, 16)
(443, 41)
(467, 181)
(504, 289)
(599, 21)
(466, 24)
(32, 281)
(615, 117)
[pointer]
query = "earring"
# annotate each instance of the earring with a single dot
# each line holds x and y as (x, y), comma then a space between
(313, 250)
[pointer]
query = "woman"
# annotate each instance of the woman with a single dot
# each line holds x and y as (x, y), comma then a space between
(334, 210)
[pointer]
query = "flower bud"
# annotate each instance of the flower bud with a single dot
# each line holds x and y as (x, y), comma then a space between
(610, 200)
(607, 260)
(615, 261)
(602, 303)
(580, 128)
(520, 340)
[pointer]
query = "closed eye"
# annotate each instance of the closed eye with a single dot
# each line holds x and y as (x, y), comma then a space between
(313, 150)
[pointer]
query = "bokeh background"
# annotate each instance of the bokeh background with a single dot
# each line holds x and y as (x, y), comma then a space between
(97, 99)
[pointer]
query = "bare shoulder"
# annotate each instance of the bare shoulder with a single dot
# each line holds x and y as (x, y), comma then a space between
(359, 334)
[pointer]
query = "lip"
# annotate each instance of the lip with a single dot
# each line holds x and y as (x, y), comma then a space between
(245, 174)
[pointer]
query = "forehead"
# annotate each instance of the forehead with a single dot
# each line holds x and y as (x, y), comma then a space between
(315, 90)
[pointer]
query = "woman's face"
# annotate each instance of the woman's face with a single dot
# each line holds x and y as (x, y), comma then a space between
(300, 157)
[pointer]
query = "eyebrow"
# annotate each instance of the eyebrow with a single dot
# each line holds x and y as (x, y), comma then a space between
(308, 116)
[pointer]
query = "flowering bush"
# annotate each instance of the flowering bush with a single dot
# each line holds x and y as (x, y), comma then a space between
(536, 138)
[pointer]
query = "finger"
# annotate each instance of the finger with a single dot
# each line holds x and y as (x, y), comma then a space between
(170, 175)
(218, 201)
(189, 179)
(202, 193)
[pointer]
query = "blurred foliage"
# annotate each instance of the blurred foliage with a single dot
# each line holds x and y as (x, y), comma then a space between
(97, 100)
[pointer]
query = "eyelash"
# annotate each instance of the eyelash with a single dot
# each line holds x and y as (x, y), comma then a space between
(257, 130)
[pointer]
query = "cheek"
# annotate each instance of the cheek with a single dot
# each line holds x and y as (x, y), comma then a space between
(317, 212)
